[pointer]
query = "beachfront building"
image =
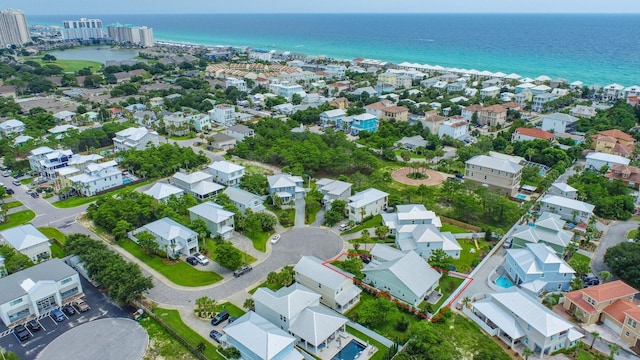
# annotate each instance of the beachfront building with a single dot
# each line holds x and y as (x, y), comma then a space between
(497, 173)
(369, 202)
(14, 28)
(244, 200)
(128, 34)
(97, 177)
(559, 123)
(333, 190)
(548, 229)
(219, 222)
(83, 29)
(138, 138)
(226, 173)
(27, 240)
(575, 211)
(223, 115)
(173, 238)
(538, 268)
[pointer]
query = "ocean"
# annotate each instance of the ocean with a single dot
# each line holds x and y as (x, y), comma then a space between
(596, 49)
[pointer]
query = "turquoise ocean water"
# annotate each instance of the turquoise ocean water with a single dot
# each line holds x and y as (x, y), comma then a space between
(596, 49)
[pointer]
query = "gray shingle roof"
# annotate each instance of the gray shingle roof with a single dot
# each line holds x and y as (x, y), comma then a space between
(51, 270)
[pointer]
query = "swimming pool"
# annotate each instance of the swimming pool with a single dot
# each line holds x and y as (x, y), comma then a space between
(521, 197)
(126, 181)
(503, 282)
(351, 351)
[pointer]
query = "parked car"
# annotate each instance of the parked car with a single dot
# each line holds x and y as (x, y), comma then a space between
(215, 335)
(34, 325)
(508, 243)
(242, 270)
(275, 238)
(16, 182)
(343, 227)
(21, 332)
(69, 310)
(201, 259)
(590, 280)
(218, 319)
(9, 191)
(210, 148)
(192, 260)
(33, 193)
(365, 258)
(57, 315)
(6, 173)
(232, 319)
(82, 306)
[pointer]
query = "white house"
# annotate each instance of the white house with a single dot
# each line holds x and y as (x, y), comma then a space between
(491, 91)
(333, 190)
(135, 138)
(199, 184)
(219, 221)
(537, 268)
(336, 286)
(226, 173)
(410, 214)
(286, 186)
(97, 177)
(547, 229)
(223, 115)
(37, 290)
(162, 191)
(424, 239)
(596, 160)
(368, 202)
(173, 238)
(244, 200)
(65, 115)
(457, 128)
(411, 142)
(404, 275)
(297, 309)
(559, 123)
(563, 189)
(239, 132)
(330, 118)
(45, 161)
(11, 127)
(568, 209)
(239, 84)
(27, 240)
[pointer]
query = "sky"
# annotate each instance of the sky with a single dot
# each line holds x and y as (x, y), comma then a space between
(92, 8)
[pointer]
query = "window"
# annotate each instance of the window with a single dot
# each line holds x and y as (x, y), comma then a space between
(65, 281)
(528, 327)
(542, 276)
(591, 301)
(626, 334)
(15, 302)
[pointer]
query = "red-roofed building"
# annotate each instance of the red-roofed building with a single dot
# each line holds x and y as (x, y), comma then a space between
(589, 304)
(613, 142)
(530, 134)
(492, 115)
(630, 332)
(630, 175)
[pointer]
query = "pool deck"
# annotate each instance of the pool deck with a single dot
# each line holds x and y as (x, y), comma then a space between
(334, 347)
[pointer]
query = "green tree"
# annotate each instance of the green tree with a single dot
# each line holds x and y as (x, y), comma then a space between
(228, 256)
(381, 232)
(604, 275)
(526, 352)
(121, 229)
(249, 304)
(440, 260)
(48, 58)
(147, 242)
(200, 227)
(624, 261)
(581, 267)
(296, 99)
(335, 214)
(594, 336)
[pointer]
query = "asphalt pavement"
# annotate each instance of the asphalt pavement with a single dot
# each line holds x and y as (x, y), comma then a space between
(615, 234)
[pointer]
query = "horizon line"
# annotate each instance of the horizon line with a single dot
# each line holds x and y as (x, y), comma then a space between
(356, 13)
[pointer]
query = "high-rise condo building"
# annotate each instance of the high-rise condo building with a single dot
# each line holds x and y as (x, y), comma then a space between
(135, 35)
(83, 29)
(13, 28)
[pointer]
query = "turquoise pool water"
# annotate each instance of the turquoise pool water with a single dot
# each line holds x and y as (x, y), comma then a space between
(126, 181)
(504, 282)
(351, 351)
(521, 197)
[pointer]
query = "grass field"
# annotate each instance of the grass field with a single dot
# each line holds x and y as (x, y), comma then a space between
(13, 204)
(453, 229)
(79, 201)
(581, 258)
(211, 246)
(67, 65)
(26, 181)
(373, 222)
(447, 285)
(259, 239)
(161, 344)
(632, 234)
(174, 321)
(19, 218)
(56, 248)
(230, 308)
(465, 262)
(180, 273)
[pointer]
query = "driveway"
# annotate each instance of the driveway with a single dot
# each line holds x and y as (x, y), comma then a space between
(614, 235)
(299, 221)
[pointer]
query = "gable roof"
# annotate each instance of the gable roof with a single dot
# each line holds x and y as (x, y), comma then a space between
(495, 163)
(211, 211)
(564, 187)
(51, 270)
(23, 237)
(283, 180)
(169, 229)
(325, 274)
(366, 197)
(225, 167)
(240, 129)
(536, 133)
(193, 177)
(568, 203)
(333, 187)
(133, 133)
(240, 196)
(566, 118)
(162, 190)
(259, 335)
(611, 158)
(618, 308)
(289, 301)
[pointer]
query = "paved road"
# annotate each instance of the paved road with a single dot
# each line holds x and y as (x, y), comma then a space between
(614, 235)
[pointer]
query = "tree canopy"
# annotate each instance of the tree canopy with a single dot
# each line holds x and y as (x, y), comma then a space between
(624, 261)
(162, 161)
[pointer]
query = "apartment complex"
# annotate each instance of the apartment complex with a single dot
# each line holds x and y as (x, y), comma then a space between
(83, 29)
(136, 35)
(494, 172)
(13, 28)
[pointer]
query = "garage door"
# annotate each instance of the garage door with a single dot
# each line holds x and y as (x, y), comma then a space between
(612, 325)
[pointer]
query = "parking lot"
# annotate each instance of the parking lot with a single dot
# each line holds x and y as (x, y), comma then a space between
(101, 307)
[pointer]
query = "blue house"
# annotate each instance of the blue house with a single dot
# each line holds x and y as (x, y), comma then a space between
(537, 268)
(286, 186)
(363, 122)
(331, 118)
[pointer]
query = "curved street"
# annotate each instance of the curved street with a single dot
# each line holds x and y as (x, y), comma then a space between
(615, 234)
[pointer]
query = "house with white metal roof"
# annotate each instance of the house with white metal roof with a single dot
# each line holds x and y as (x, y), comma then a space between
(226, 173)
(596, 160)
(200, 184)
(404, 275)
(27, 240)
(11, 127)
(297, 309)
(494, 172)
(548, 229)
(219, 221)
(410, 214)
(515, 317)
(366, 203)
(568, 209)
(173, 238)
(239, 132)
(244, 200)
(330, 118)
(411, 142)
(162, 191)
(333, 190)
(35, 291)
(97, 177)
(424, 239)
(135, 138)
(538, 268)
(335, 286)
(257, 338)
(286, 186)
(563, 189)
(559, 123)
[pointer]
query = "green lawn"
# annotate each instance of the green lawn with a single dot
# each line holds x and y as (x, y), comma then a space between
(467, 336)
(173, 320)
(388, 328)
(373, 222)
(26, 181)
(447, 285)
(19, 218)
(632, 234)
(56, 248)
(581, 258)
(453, 229)
(185, 137)
(161, 344)
(465, 262)
(67, 65)
(379, 355)
(230, 308)
(13, 204)
(413, 155)
(211, 246)
(78, 201)
(180, 273)
(259, 239)
(310, 213)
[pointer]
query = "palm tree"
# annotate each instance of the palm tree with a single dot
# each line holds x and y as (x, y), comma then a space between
(605, 275)
(526, 352)
(530, 152)
(613, 351)
(594, 335)
(466, 301)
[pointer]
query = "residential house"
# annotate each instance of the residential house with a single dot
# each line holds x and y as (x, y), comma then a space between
(559, 123)
(411, 142)
(239, 132)
(630, 332)
(335, 286)
(630, 175)
(198, 184)
(592, 304)
(495, 82)
(156, 101)
(223, 115)
(596, 160)
(425, 238)
(60, 130)
(244, 200)
(222, 141)
(124, 76)
(356, 123)
(612, 91)
(27, 240)
(497, 173)
(162, 191)
(333, 190)
(410, 214)
(540, 100)
(138, 138)
(613, 142)
(64, 115)
(538, 268)
(97, 178)
(525, 86)
(176, 124)
(523, 98)
(297, 309)
(258, 339)
(366, 203)
(540, 89)
(456, 86)
(219, 221)
(489, 92)
(200, 122)
(239, 84)
(11, 127)
(530, 134)
(173, 238)
(455, 127)
(35, 291)
(548, 229)
(583, 111)
(467, 112)
(340, 103)
(404, 275)
(517, 318)
(564, 190)
(571, 210)
(226, 173)
(433, 121)
(493, 115)
(285, 89)
(46, 161)
(287, 187)
(386, 109)
(330, 118)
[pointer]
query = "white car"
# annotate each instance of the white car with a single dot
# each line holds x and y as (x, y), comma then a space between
(201, 259)
(275, 238)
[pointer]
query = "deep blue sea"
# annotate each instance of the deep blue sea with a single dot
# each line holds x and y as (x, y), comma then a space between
(596, 49)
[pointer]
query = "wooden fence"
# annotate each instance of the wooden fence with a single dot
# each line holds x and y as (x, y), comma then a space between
(460, 224)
